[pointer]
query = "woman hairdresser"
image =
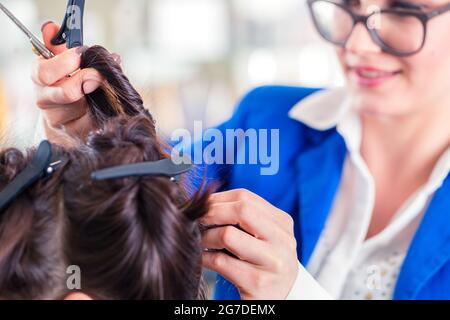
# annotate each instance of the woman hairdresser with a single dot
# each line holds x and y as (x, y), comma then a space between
(359, 208)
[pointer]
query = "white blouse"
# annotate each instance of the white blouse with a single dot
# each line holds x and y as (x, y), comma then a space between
(344, 265)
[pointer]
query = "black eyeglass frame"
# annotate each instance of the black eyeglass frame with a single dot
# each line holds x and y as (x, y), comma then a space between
(421, 15)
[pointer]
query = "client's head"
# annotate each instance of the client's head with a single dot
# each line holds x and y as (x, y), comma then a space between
(135, 237)
(132, 237)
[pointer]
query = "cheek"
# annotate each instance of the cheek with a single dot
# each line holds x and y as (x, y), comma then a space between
(428, 72)
(340, 55)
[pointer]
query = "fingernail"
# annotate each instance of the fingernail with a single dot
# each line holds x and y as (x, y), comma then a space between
(90, 86)
(117, 58)
(45, 24)
(81, 50)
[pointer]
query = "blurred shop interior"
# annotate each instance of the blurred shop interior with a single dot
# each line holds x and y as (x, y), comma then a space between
(190, 59)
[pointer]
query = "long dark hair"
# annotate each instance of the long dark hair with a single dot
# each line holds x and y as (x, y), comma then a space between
(132, 238)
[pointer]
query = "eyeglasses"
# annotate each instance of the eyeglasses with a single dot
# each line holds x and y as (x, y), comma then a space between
(398, 31)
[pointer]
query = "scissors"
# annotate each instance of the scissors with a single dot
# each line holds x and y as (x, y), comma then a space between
(71, 31)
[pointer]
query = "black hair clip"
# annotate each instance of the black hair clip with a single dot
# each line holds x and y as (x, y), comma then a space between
(72, 26)
(165, 168)
(39, 167)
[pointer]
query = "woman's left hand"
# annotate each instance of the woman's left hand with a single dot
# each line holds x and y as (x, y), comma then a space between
(266, 264)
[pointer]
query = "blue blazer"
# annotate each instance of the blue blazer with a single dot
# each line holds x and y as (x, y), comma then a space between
(311, 164)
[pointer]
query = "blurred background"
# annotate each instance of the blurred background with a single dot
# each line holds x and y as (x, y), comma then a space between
(190, 59)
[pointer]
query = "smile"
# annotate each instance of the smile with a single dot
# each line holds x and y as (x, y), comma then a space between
(372, 77)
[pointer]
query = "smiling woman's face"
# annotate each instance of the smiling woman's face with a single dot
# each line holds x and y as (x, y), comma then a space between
(384, 84)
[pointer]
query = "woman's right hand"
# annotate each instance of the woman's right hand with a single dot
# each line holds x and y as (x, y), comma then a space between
(263, 263)
(62, 98)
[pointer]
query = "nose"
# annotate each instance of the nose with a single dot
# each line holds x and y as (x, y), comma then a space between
(361, 41)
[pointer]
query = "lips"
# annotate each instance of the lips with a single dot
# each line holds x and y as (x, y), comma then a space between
(371, 76)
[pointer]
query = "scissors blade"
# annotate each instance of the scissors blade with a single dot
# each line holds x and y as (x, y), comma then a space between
(34, 40)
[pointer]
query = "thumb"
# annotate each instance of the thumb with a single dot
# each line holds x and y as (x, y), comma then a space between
(49, 31)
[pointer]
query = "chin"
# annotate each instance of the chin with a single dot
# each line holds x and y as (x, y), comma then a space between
(379, 106)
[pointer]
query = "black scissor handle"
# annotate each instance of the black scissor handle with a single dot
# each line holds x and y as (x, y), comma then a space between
(71, 31)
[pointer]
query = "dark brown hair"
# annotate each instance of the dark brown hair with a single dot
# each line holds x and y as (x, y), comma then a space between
(133, 238)
(116, 97)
